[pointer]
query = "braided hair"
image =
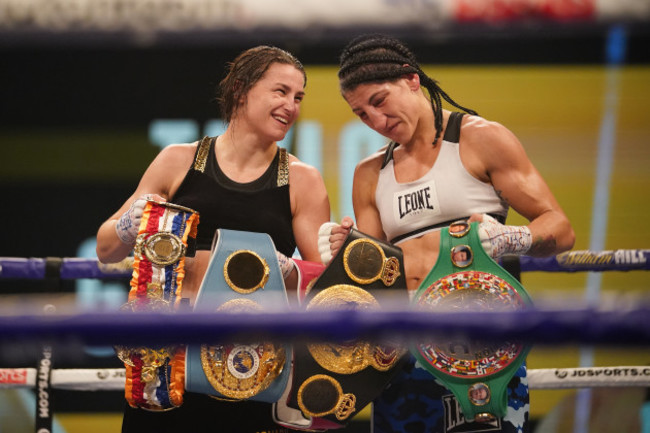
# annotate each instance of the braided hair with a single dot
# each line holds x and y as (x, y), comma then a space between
(377, 58)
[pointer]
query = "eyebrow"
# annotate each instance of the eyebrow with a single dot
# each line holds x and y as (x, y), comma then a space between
(371, 100)
(285, 87)
(374, 96)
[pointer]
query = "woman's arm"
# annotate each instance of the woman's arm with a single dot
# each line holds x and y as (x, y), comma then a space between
(160, 181)
(310, 207)
(364, 187)
(493, 153)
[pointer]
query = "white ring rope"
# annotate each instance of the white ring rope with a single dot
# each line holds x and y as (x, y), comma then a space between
(112, 379)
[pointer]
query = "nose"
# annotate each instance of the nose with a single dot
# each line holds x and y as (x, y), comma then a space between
(375, 119)
(292, 106)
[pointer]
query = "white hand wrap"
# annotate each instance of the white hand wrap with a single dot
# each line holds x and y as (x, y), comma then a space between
(498, 239)
(324, 233)
(129, 223)
(286, 264)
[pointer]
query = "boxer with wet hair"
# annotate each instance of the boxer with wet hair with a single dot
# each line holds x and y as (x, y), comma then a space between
(241, 180)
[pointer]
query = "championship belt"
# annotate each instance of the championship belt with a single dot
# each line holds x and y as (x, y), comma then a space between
(243, 277)
(332, 381)
(154, 375)
(367, 262)
(465, 278)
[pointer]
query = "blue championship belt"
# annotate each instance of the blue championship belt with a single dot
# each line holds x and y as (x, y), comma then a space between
(333, 381)
(243, 277)
(465, 278)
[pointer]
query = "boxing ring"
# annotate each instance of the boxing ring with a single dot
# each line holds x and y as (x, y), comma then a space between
(67, 332)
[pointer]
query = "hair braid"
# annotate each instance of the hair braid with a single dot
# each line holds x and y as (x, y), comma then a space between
(376, 58)
(436, 103)
(437, 94)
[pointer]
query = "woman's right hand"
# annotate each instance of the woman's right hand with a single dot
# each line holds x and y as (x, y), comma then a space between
(331, 237)
(128, 225)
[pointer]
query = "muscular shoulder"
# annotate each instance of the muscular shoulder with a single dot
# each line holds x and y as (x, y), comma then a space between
(484, 135)
(485, 144)
(307, 190)
(177, 154)
(168, 169)
(302, 172)
(369, 166)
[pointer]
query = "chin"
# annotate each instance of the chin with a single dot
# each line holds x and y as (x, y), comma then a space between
(280, 135)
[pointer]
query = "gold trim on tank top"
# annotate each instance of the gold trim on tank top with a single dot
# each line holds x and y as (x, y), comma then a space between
(283, 168)
(202, 154)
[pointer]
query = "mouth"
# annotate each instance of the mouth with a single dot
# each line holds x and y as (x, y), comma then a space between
(281, 119)
(391, 128)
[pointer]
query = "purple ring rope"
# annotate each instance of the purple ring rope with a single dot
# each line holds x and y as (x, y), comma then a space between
(587, 325)
(573, 261)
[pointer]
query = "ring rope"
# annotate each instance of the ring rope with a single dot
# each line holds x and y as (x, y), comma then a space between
(74, 267)
(585, 325)
(112, 379)
(620, 327)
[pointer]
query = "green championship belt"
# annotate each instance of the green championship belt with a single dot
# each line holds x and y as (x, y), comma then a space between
(465, 278)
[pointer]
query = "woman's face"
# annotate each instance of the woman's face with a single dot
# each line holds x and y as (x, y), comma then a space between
(388, 107)
(272, 105)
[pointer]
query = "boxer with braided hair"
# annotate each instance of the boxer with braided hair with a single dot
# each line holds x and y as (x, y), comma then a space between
(377, 58)
(440, 166)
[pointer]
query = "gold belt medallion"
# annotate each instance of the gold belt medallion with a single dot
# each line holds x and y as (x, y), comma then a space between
(353, 356)
(160, 248)
(384, 357)
(322, 395)
(241, 371)
(245, 271)
(365, 262)
(153, 303)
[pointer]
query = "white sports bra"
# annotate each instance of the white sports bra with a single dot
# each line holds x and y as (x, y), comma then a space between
(446, 193)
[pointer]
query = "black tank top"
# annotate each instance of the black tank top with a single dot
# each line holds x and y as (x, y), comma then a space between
(262, 206)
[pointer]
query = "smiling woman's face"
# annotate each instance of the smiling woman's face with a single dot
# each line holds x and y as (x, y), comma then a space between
(272, 105)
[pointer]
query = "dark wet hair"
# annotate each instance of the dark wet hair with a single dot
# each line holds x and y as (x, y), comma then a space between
(246, 70)
(377, 58)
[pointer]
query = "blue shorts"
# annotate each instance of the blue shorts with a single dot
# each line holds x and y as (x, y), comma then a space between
(415, 402)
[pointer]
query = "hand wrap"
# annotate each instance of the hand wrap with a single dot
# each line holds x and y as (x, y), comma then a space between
(498, 239)
(286, 264)
(324, 233)
(129, 223)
